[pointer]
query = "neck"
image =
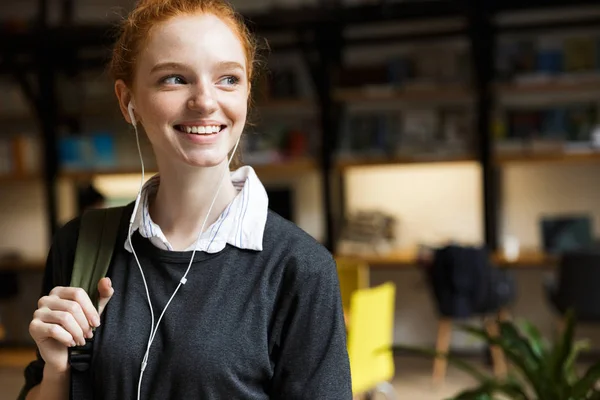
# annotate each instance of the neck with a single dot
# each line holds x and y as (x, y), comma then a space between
(184, 197)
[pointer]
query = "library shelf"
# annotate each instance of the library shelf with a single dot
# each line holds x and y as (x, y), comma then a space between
(12, 177)
(283, 104)
(18, 357)
(549, 157)
(281, 168)
(288, 168)
(22, 265)
(426, 93)
(354, 162)
(548, 87)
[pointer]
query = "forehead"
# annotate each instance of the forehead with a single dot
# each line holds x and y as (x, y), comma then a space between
(197, 40)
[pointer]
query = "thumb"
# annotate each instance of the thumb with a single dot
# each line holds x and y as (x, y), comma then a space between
(105, 292)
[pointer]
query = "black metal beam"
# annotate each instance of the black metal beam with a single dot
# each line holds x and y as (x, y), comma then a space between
(483, 53)
(323, 60)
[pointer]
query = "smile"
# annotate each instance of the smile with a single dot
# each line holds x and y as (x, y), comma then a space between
(200, 129)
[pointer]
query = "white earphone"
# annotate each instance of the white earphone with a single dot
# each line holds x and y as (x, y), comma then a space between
(183, 280)
(131, 114)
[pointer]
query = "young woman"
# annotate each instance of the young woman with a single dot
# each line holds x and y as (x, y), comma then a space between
(258, 314)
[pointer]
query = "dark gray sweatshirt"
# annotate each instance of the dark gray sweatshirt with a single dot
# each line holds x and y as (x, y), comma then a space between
(246, 325)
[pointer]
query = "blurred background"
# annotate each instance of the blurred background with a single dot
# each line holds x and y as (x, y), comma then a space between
(388, 130)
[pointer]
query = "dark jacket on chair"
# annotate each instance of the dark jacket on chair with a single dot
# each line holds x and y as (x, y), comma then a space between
(464, 282)
(576, 286)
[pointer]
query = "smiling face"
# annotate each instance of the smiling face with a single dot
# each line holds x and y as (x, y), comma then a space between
(190, 90)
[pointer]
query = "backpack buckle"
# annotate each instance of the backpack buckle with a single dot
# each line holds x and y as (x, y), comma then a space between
(80, 357)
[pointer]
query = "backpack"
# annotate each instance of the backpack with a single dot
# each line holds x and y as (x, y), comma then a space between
(95, 244)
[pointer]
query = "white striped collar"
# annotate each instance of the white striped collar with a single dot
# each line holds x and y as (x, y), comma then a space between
(241, 224)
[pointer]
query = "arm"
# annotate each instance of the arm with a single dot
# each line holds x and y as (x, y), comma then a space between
(310, 355)
(54, 385)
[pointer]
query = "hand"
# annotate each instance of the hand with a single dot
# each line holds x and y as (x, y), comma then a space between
(64, 319)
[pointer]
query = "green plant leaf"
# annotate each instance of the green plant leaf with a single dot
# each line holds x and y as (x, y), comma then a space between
(558, 359)
(594, 395)
(482, 392)
(488, 389)
(460, 364)
(586, 383)
(512, 345)
(538, 344)
(569, 369)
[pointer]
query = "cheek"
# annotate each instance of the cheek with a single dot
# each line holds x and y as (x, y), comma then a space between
(162, 107)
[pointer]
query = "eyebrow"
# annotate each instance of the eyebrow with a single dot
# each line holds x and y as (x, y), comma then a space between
(178, 66)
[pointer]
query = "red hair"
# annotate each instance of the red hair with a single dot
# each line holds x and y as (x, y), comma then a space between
(136, 29)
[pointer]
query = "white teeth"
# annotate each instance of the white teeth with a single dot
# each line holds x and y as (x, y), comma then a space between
(203, 130)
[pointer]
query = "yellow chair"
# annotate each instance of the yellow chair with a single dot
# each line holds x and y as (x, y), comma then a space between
(370, 338)
(353, 275)
(369, 316)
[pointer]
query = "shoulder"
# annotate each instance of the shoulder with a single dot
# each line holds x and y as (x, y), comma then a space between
(302, 255)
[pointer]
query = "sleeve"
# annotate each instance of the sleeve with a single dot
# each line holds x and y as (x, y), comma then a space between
(310, 356)
(55, 274)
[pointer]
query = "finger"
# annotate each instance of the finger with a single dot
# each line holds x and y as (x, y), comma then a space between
(80, 296)
(64, 319)
(105, 292)
(57, 304)
(41, 331)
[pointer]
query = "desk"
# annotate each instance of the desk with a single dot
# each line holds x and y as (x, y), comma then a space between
(399, 259)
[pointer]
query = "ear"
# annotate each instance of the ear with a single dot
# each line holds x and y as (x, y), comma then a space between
(124, 96)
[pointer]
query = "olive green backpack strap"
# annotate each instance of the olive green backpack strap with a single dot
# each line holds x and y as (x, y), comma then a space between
(95, 245)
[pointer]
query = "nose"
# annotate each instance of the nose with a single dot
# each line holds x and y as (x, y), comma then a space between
(203, 99)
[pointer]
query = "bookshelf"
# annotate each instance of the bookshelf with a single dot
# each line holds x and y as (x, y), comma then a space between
(17, 357)
(549, 157)
(19, 178)
(359, 162)
(23, 265)
(282, 168)
(427, 93)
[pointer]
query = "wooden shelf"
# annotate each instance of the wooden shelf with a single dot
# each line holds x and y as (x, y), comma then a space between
(430, 94)
(344, 164)
(557, 86)
(291, 167)
(292, 104)
(83, 175)
(285, 168)
(17, 358)
(400, 259)
(19, 178)
(23, 265)
(550, 157)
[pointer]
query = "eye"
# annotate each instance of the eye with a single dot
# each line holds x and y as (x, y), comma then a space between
(173, 80)
(230, 80)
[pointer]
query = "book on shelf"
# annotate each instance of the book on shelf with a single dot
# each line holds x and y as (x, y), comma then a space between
(20, 155)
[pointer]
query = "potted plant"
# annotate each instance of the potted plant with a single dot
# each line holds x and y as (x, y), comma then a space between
(541, 371)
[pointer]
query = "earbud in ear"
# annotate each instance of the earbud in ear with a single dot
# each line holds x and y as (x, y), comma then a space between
(131, 114)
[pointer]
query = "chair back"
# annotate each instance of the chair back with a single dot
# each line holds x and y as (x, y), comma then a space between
(578, 284)
(370, 337)
(353, 274)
